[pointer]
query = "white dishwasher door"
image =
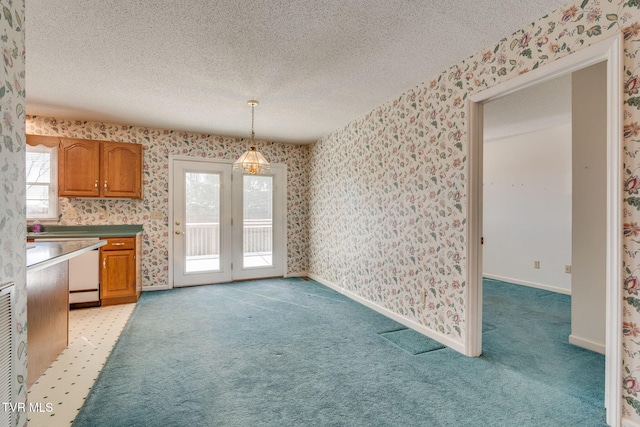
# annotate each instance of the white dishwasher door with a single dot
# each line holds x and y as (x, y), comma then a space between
(84, 278)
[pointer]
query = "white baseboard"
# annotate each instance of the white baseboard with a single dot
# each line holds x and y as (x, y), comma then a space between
(589, 345)
(443, 339)
(156, 288)
(530, 284)
(626, 422)
(296, 274)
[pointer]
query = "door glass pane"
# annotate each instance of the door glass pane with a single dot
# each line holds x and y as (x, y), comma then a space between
(257, 233)
(202, 216)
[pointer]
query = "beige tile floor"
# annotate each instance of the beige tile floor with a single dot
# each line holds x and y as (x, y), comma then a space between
(64, 386)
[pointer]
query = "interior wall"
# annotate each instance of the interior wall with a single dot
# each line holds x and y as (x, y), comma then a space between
(589, 113)
(527, 208)
(388, 191)
(12, 180)
(158, 145)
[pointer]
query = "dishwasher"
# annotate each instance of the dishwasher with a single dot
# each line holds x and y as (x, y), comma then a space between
(84, 275)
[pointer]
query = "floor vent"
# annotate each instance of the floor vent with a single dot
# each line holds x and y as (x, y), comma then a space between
(6, 352)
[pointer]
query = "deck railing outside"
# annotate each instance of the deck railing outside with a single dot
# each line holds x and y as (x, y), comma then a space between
(203, 238)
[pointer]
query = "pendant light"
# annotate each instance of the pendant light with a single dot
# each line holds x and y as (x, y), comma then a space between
(252, 162)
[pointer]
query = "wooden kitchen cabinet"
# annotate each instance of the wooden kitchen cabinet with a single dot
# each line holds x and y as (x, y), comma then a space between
(78, 168)
(120, 270)
(89, 168)
(121, 170)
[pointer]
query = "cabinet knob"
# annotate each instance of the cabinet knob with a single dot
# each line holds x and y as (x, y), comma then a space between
(105, 185)
(96, 185)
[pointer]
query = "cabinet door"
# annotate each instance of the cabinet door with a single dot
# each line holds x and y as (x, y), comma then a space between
(121, 170)
(117, 274)
(78, 168)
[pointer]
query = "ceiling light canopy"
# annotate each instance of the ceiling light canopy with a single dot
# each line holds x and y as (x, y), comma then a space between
(252, 162)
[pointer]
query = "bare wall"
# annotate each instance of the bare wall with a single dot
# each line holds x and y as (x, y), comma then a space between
(527, 208)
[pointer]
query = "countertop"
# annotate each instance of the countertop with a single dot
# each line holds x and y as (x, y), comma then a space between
(85, 231)
(45, 254)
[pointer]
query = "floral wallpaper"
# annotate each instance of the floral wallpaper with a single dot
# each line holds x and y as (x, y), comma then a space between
(157, 146)
(12, 179)
(388, 195)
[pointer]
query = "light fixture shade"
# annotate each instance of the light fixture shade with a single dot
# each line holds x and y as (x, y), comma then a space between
(252, 162)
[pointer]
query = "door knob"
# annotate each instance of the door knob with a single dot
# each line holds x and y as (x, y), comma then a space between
(178, 231)
(177, 222)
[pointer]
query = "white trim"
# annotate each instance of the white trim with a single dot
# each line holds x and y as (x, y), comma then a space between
(614, 280)
(52, 187)
(169, 237)
(297, 274)
(156, 288)
(279, 268)
(529, 284)
(473, 297)
(443, 339)
(589, 345)
(626, 422)
(199, 159)
(609, 50)
(172, 158)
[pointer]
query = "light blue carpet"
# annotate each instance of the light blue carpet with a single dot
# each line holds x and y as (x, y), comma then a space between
(288, 352)
(412, 341)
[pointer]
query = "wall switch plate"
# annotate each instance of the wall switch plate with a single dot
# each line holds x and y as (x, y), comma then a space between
(423, 296)
(567, 269)
(156, 215)
(536, 264)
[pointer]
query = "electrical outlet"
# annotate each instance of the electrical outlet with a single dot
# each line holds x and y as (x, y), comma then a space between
(423, 296)
(156, 215)
(536, 264)
(567, 269)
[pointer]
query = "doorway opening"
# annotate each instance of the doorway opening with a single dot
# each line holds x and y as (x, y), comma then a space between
(609, 51)
(225, 225)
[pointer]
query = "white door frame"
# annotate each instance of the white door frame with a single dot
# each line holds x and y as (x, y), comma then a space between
(278, 268)
(177, 226)
(609, 50)
(283, 200)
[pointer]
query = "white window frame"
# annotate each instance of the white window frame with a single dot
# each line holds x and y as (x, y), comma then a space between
(52, 211)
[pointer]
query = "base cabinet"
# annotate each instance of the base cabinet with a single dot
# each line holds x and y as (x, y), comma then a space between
(120, 270)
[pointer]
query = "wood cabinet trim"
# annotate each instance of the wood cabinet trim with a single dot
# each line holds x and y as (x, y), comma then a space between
(48, 141)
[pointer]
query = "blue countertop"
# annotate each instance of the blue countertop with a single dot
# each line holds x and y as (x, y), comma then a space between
(85, 231)
(45, 254)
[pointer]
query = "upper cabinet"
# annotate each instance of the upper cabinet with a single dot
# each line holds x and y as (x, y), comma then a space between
(78, 168)
(99, 169)
(121, 170)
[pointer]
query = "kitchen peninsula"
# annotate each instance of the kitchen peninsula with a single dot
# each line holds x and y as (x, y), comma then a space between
(48, 300)
(118, 267)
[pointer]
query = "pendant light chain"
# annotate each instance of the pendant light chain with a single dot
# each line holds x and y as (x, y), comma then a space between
(253, 107)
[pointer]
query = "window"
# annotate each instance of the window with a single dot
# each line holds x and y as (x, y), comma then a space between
(42, 182)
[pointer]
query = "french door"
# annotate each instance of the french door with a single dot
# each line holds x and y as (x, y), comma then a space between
(226, 225)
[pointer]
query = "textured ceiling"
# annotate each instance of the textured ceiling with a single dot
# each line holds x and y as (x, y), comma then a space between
(191, 65)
